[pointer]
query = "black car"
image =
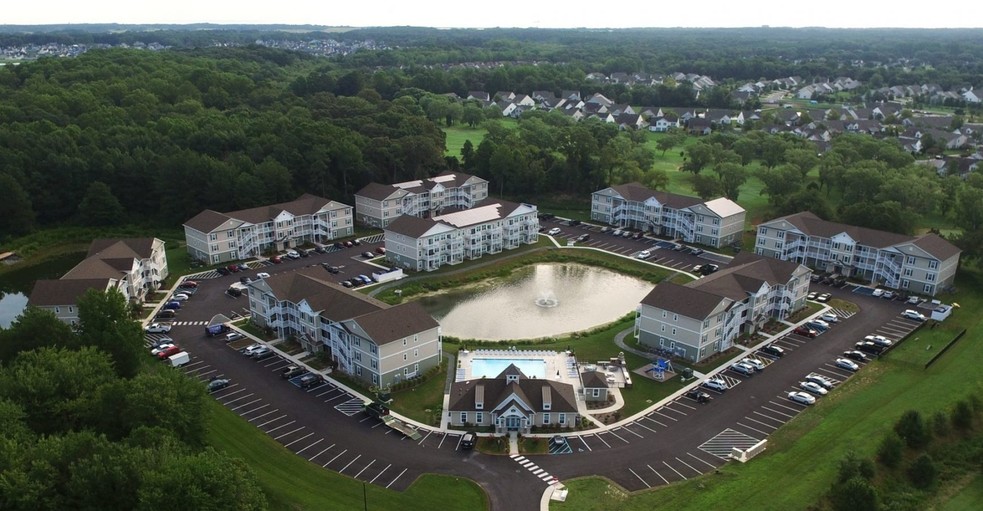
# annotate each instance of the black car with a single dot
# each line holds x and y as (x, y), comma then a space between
(223, 271)
(245, 280)
(707, 269)
(166, 314)
(217, 384)
(356, 242)
(339, 245)
(774, 351)
(698, 395)
(869, 347)
(855, 355)
(334, 269)
(304, 253)
(309, 380)
(574, 223)
(319, 249)
(583, 237)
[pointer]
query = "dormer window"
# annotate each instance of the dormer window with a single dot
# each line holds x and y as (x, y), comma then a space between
(512, 378)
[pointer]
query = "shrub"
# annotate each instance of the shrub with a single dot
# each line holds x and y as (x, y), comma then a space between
(856, 494)
(940, 424)
(890, 451)
(851, 467)
(912, 429)
(923, 472)
(962, 415)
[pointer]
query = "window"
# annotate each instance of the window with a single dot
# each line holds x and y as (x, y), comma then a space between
(375, 379)
(907, 272)
(664, 314)
(479, 417)
(763, 230)
(596, 392)
(71, 309)
(416, 353)
(905, 283)
(911, 259)
(673, 331)
(675, 317)
(934, 265)
(57, 310)
(761, 241)
(464, 417)
(404, 357)
(375, 364)
(663, 328)
(213, 237)
(358, 370)
(930, 277)
(546, 418)
(404, 342)
(230, 234)
(928, 288)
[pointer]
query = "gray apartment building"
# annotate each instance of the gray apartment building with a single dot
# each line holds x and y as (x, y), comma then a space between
(376, 205)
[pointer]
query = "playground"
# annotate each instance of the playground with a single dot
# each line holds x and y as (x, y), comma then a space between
(659, 370)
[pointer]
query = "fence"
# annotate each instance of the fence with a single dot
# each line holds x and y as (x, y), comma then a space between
(945, 348)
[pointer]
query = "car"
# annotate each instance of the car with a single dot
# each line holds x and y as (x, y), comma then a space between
(276, 259)
(339, 245)
(626, 234)
(823, 381)
(356, 242)
(252, 349)
(320, 250)
(368, 255)
(644, 254)
(815, 277)
(605, 230)
(745, 369)
(469, 440)
(217, 384)
(845, 363)
(161, 347)
(877, 293)
(855, 355)
(677, 247)
(888, 295)
(166, 314)
(817, 325)
(190, 291)
(638, 235)
(165, 353)
(696, 251)
(617, 232)
(158, 328)
(805, 331)
(366, 279)
(233, 268)
(304, 253)
(775, 351)
(869, 348)
(223, 271)
(380, 250)
(261, 353)
(243, 267)
(879, 340)
(717, 384)
(310, 380)
(913, 300)
(262, 275)
(349, 244)
(180, 297)
(697, 268)
(913, 314)
(245, 281)
(812, 295)
(293, 254)
(829, 317)
(554, 231)
(346, 283)
(753, 362)
(356, 282)
(823, 298)
(172, 305)
(802, 398)
(233, 336)
(813, 388)
(583, 237)
(698, 395)
(708, 269)
(188, 284)
(292, 371)
(332, 269)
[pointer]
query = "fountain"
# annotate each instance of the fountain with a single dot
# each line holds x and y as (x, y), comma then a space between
(547, 300)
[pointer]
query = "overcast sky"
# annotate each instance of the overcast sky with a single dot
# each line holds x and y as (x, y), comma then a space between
(542, 13)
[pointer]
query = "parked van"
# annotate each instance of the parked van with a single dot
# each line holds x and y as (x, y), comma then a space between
(468, 441)
(213, 330)
(179, 359)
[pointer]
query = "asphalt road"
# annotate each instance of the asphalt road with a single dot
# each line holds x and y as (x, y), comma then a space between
(679, 440)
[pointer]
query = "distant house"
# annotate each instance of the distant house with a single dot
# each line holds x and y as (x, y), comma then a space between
(661, 125)
(512, 401)
(479, 95)
(972, 96)
(699, 126)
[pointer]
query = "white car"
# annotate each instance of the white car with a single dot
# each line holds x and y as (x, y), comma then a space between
(755, 363)
(913, 314)
(253, 349)
(179, 297)
(158, 328)
(262, 275)
(554, 231)
(745, 369)
(821, 380)
(293, 254)
(161, 347)
(644, 254)
(829, 317)
(617, 232)
(813, 388)
(877, 293)
(717, 384)
(888, 295)
(845, 363)
(802, 398)
(879, 340)
(811, 296)
(823, 298)
(914, 300)
(821, 323)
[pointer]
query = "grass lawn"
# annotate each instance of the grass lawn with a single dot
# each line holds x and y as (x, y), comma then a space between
(457, 135)
(969, 498)
(292, 483)
(854, 417)
(423, 403)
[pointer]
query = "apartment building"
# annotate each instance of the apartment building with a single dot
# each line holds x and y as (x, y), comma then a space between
(715, 223)
(215, 237)
(369, 340)
(923, 264)
(425, 244)
(512, 401)
(377, 205)
(703, 317)
(132, 266)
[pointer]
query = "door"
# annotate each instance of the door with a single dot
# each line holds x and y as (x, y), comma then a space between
(512, 423)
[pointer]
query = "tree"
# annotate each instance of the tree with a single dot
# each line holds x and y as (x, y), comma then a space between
(208, 480)
(467, 155)
(472, 115)
(668, 141)
(856, 494)
(100, 207)
(962, 415)
(890, 450)
(923, 473)
(773, 151)
(16, 211)
(746, 148)
(780, 182)
(912, 429)
(104, 323)
(699, 156)
(706, 186)
(803, 159)
(35, 328)
(732, 176)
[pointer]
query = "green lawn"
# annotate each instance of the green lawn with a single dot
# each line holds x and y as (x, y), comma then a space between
(292, 483)
(854, 417)
(457, 135)
(969, 498)
(415, 402)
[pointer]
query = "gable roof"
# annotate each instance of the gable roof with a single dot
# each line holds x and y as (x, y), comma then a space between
(812, 225)
(593, 380)
(685, 300)
(139, 248)
(207, 221)
(500, 394)
(64, 292)
(638, 192)
(937, 246)
(393, 323)
(412, 226)
(306, 204)
(326, 298)
(377, 191)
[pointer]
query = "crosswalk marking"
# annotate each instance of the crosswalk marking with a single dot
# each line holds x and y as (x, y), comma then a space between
(536, 471)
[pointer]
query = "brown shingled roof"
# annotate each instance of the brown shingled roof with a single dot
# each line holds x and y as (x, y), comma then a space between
(207, 221)
(64, 292)
(377, 191)
(140, 248)
(688, 301)
(937, 246)
(411, 226)
(638, 192)
(812, 225)
(498, 391)
(391, 324)
(325, 297)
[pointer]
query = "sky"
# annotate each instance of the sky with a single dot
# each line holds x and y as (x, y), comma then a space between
(463, 14)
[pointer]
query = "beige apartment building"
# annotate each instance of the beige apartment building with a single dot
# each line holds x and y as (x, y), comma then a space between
(377, 205)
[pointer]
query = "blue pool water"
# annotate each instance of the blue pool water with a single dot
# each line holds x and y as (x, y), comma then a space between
(492, 367)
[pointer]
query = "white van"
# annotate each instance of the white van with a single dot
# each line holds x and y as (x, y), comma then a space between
(179, 359)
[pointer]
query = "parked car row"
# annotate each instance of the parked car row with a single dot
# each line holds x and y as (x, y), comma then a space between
(357, 281)
(258, 351)
(166, 349)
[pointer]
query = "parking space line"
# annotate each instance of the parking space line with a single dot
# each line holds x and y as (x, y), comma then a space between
(630, 431)
(655, 421)
(772, 410)
(666, 416)
(647, 485)
(271, 420)
(204, 375)
(350, 463)
(364, 469)
(619, 437)
(753, 429)
(233, 393)
(283, 426)
(336, 457)
(602, 440)
(320, 453)
(264, 415)
(667, 407)
(697, 458)
(841, 376)
(230, 387)
(688, 465)
(425, 438)
(681, 403)
(790, 408)
(319, 440)
(326, 392)
(380, 473)
(277, 361)
(585, 443)
(237, 399)
(246, 404)
(397, 477)
(243, 414)
(336, 397)
(299, 439)
(658, 474)
(769, 417)
(639, 423)
(674, 470)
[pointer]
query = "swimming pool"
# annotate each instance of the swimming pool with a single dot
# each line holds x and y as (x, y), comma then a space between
(492, 367)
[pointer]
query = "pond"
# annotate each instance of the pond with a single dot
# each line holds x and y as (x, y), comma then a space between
(542, 300)
(17, 282)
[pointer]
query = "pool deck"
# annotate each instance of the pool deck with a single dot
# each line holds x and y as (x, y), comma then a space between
(560, 366)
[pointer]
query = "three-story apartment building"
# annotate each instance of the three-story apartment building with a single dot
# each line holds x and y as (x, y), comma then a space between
(425, 244)
(714, 223)
(703, 317)
(377, 205)
(132, 266)
(369, 340)
(215, 237)
(925, 263)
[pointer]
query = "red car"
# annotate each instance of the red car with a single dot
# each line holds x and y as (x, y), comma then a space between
(276, 259)
(381, 250)
(173, 350)
(234, 268)
(805, 332)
